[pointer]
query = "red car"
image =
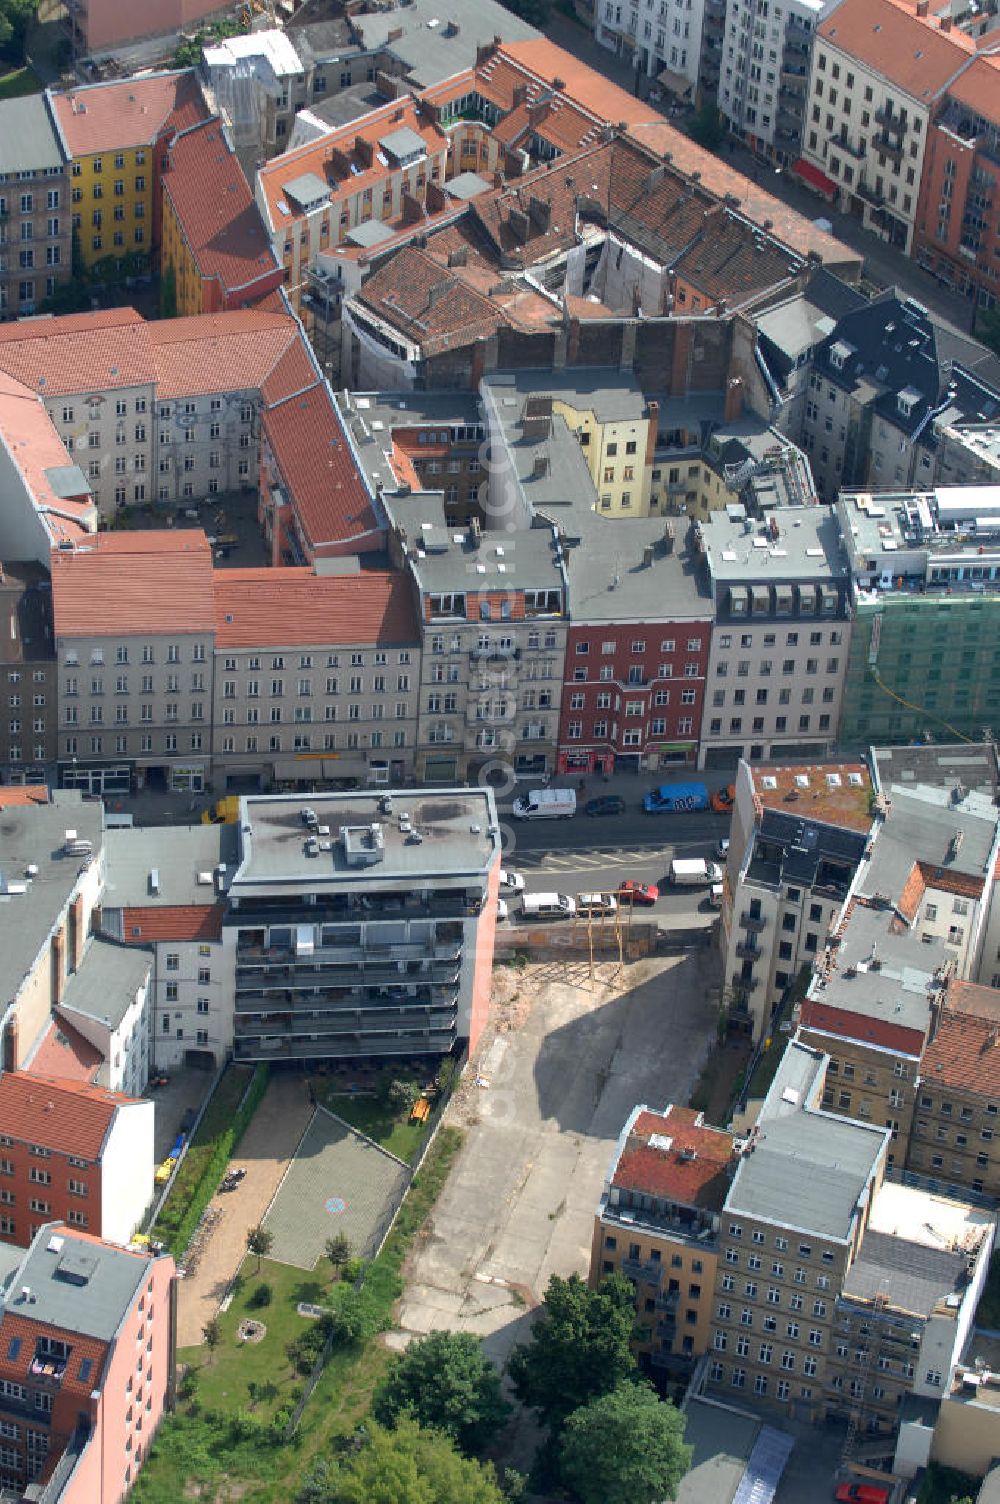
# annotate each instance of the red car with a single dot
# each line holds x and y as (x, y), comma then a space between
(862, 1493)
(638, 893)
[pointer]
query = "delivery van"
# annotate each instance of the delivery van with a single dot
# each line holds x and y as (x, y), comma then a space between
(545, 804)
(670, 798)
(547, 906)
(694, 872)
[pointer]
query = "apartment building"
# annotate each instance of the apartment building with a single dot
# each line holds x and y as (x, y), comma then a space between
(954, 1122)
(925, 567)
(790, 1228)
(662, 39)
(116, 134)
(763, 73)
(779, 589)
(797, 836)
(89, 1344)
(47, 499)
(72, 1153)
(657, 1223)
(879, 69)
(316, 676)
(362, 927)
(214, 247)
(956, 237)
(47, 914)
(431, 441)
(35, 232)
(28, 720)
(163, 899)
(135, 688)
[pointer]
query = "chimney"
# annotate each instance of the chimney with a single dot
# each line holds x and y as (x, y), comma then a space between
(520, 94)
(922, 8)
(652, 430)
(79, 937)
(541, 466)
(58, 965)
(365, 150)
(10, 1045)
(945, 23)
(540, 212)
(734, 400)
(394, 33)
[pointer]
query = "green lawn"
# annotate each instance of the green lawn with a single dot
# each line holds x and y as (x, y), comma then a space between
(218, 1117)
(393, 1130)
(20, 81)
(214, 1441)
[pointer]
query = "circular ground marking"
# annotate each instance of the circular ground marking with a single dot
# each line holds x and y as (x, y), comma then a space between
(335, 1206)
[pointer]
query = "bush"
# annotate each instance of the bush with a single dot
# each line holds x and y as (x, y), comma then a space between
(352, 1271)
(303, 1353)
(261, 1297)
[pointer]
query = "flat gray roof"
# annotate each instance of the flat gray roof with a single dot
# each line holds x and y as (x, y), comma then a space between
(67, 480)
(178, 854)
(36, 834)
(370, 232)
(974, 767)
(921, 825)
(914, 1277)
(80, 1286)
(807, 546)
(403, 144)
(902, 987)
(611, 398)
(445, 558)
(457, 830)
(723, 1440)
(466, 185)
(808, 1169)
(105, 985)
(436, 41)
(308, 189)
(28, 139)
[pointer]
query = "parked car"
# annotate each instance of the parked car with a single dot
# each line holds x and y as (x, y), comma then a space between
(607, 804)
(862, 1493)
(722, 848)
(596, 904)
(722, 800)
(511, 882)
(675, 796)
(503, 912)
(547, 906)
(631, 892)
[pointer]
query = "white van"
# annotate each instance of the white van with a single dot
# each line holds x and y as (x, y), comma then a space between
(545, 804)
(694, 872)
(716, 895)
(547, 906)
(596, 904)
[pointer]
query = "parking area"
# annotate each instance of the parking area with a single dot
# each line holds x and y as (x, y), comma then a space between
(563, 1063)
(338, 1182)
(177, 1105)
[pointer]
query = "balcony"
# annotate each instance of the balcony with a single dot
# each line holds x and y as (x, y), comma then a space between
(885, 147)
(358, 1048)
(890, 121)
(857, 150)
(865, 191)
(753, 922)
(494, 653)
(646, 1272)
(746, 950)
(667, 1302)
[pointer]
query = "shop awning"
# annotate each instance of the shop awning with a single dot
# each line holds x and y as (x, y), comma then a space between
(815, 178)
(676, 83)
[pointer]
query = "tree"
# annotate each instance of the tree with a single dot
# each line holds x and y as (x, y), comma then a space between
(260, 1241)
(15, 18)
(403, 1094)
(445, 1382)
(338, 1251)
(626, 1447)
(579, 1346)
(707, 128)
(212, 1334)
(409, 1466)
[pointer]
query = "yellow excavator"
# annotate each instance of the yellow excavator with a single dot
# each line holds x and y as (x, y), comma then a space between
(223, 812)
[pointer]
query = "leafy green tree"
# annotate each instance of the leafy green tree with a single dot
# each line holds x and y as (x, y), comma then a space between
(707, 128)
(408, 1465)
(356, 1314)
(626, 1447)
(446, 1383)
(15, 18)
(212, 1334)
(579, 1346)
(403, 1094)
(260, 1240)
(338, 1251)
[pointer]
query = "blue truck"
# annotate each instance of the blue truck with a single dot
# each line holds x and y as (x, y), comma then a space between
(675, 796)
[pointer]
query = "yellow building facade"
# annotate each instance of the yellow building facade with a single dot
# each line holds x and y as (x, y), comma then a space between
(112, 205)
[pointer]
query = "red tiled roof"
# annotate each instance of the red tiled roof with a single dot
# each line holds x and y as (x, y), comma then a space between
(220, 352)
(964, 1053)
(30, 438)
(132, 582)
(693, 1171)
(971, 997)
(888, 36)
(427, 303)
(64, 1053)
(71, 1117)
(309, 446)
(579, 82)
(216, 210)
(859, 1026)
(134, 112)
(171, 922)
(978, 87)
(78, 353)
(295, 607)
(23, 793)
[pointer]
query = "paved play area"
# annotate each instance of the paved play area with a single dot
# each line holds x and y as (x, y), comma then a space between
(338, 1182)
